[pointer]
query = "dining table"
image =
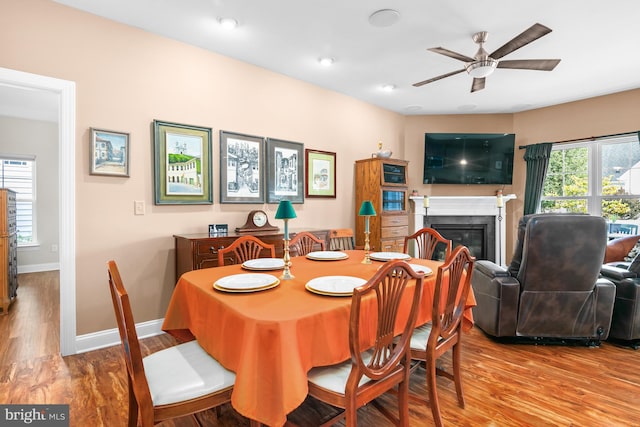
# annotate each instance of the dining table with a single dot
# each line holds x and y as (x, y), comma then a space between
(273, 336)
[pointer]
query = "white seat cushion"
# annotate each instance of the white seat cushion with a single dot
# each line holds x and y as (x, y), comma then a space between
(420, 337)
(334, 377)
(184, 372)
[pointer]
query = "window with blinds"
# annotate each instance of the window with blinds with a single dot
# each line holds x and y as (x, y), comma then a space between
(18, 174)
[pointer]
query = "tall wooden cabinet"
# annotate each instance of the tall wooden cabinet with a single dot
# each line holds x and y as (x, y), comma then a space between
(384, 183)
(8, 249)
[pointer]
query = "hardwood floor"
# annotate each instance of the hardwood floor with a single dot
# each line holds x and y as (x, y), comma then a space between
(504, 384)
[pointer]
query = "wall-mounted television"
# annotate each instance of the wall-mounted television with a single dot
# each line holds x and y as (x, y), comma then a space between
(468, 158)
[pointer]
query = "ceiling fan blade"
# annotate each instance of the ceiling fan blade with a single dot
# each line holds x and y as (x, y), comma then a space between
(530, 64)
(478, 84)
(451, 54)
(437, 78)
(527, 36)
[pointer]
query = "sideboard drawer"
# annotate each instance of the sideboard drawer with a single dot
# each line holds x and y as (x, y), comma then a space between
(394, 220)
(388, 232)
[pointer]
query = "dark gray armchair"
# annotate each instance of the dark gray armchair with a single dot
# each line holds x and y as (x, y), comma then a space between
(552, 290)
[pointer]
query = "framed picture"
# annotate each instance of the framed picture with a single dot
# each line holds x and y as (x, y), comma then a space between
(241, 168)
(321, 173)
(183, 164)
(285, 171)
(109, 153)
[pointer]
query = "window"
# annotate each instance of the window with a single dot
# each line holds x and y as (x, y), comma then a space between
(599, 177)
(18, 174)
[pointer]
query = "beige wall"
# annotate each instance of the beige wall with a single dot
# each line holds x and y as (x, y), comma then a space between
(126, 78)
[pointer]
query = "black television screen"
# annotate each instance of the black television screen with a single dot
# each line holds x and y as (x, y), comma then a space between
(468, 158)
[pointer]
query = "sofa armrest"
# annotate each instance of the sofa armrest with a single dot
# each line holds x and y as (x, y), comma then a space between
(497, 295)
(616, 273)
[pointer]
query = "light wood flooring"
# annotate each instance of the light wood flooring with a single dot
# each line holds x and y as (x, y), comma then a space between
(504, 384)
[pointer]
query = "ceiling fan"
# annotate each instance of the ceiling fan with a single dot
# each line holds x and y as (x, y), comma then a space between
(483, 64)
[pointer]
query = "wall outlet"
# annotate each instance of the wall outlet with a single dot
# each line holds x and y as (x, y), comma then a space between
(138, 207)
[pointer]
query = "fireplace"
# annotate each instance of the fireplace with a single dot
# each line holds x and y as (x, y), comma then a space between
(475, 232)
(474, 221)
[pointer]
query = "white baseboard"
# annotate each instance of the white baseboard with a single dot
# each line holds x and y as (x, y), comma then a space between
(37, 268)
(111, 337)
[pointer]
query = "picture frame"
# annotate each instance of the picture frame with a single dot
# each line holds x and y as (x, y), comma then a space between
(285, 171)
(183, 164)
(241, 168)
(320, 173)
(109, 153)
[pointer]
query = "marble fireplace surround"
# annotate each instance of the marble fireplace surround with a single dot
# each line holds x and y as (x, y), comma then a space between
(464, 206)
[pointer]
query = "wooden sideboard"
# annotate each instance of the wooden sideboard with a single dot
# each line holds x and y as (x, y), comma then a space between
(8, 249)
(196, 251)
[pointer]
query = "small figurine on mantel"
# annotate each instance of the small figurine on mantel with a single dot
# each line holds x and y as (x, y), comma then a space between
(382, 154)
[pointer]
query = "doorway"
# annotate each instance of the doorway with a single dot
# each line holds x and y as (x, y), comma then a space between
(65, 91)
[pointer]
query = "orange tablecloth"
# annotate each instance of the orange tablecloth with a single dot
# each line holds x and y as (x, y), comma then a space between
(272, 338)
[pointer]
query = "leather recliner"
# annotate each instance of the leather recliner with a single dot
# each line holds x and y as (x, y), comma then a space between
(625, 323)
(551, 290)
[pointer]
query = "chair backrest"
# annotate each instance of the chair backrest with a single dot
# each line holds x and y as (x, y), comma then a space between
(341, 239)
(427, 241)
(305, 242)
(129, 341)
(389, 287)
(453, 283)
(245, 248)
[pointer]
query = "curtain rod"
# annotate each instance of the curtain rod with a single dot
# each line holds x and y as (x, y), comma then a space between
(592, 138)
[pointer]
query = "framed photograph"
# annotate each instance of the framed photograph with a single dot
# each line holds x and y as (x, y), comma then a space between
(109, 153)
(183, 164)
(241, 168)
(285, 171)
(321, 173)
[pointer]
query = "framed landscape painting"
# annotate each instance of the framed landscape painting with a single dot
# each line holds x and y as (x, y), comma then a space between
(109, 153)
(183, 169)
(241, 168)
(285, 169)
(321, 173)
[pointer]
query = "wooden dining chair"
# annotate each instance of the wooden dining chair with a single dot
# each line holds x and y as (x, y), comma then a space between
(245, 248)
(174, 382)
(376, 370)
(341, 239)
(444, 332)
(427, 241)
(305, 242)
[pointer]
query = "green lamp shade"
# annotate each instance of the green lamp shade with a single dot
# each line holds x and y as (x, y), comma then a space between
(366, 209)
(285, 210)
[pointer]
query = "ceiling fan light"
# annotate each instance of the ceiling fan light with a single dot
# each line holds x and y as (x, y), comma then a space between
(481, 68)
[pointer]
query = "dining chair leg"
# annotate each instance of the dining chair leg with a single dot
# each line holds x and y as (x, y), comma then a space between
(433, 392)
(457, 379)
(133, 406)
(403, 403)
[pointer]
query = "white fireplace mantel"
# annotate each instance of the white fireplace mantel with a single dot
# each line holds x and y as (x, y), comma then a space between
(464, 206)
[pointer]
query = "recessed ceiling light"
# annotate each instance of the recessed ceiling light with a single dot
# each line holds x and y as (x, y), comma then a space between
(384, 18)
(228, 23)
(388, 88)
(412, 108)
(326, 61)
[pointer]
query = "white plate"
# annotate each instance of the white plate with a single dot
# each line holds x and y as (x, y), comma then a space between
(264, 264)
(334, 285)
(247, 282)
(327, 255)
(387, 256)
(421, 269)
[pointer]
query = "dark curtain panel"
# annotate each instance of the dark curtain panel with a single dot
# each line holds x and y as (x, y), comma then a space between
(537, 158)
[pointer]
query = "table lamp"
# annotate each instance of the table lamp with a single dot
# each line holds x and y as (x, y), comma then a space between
(366, 210)
(285, 212)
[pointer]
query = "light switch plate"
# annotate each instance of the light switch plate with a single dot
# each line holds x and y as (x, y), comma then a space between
(138, 207)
